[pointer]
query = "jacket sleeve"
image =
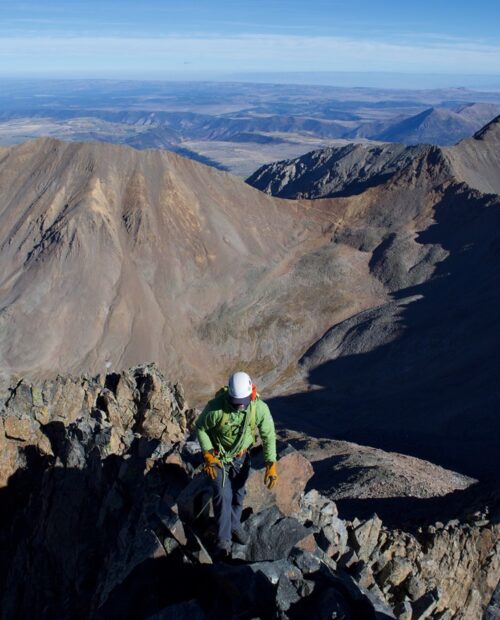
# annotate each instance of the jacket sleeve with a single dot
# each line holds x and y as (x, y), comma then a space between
(203, 425)
(267, 433)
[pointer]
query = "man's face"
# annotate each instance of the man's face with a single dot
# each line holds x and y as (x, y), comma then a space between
(239, 407)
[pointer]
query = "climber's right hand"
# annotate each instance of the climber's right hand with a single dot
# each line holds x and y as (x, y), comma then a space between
(210, 464)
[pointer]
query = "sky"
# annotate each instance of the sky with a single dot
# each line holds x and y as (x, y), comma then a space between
(155, 39)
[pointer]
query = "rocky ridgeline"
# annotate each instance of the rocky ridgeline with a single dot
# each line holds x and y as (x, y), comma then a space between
(103, 515)
(126, 406)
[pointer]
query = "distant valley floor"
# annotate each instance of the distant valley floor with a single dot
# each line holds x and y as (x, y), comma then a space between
(238, 127)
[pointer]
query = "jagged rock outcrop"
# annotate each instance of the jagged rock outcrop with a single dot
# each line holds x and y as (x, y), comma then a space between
(457, 561)
(445, 570)
(91, 524)
(135, 402)
(493, 610)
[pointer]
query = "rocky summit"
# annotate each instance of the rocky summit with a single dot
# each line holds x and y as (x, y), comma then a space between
(105, 514)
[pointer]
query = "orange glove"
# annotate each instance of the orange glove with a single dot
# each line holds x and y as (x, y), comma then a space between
(271, 475)
(211, 462)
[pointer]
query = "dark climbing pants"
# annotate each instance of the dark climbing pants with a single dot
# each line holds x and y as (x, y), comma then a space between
(229, 492)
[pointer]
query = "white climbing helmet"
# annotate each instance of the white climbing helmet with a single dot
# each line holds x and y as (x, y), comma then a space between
(240, 388)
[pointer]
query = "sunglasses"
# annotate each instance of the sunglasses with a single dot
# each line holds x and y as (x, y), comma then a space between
(238, 406)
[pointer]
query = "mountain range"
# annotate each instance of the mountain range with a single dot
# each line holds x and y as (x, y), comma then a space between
(366, 308)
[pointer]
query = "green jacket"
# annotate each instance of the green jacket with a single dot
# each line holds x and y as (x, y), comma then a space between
(219, 427)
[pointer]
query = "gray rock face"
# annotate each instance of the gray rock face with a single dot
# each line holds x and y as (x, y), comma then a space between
(450, 569)
(272, 535)
(339, 171)
(82, 482)
(317, 509)
(111, 410)
(425, 605)
(395, 571)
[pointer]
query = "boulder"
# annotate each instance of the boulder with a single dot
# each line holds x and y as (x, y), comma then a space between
(363, 575)
(348, 559)
(332, 538)
(307, 562)
(365, 603)
(317, 509)
(172, 523)
(415, 587)
(364, 537)
(274, 569)
(195, 500)
(308, 543)
(18, 428)
(377, 597)
(394, 572)
(272, 536)
(198, 551)
(294, 472)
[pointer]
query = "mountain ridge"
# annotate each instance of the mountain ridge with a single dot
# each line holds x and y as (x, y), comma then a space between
(336, 171)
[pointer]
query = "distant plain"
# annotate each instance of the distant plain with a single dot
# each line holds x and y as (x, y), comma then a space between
(237, 126)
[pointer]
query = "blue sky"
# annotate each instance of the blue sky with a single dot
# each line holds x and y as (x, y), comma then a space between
(155, 39)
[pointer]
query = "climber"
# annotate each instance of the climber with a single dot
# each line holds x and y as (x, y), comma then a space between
(226, 431)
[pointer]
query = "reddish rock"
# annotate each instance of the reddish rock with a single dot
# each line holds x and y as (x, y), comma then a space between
(294, 471)
(18, 428)
(308, 543)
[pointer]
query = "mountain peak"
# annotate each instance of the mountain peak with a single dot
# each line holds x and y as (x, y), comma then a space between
(165, 228)
(489, 131)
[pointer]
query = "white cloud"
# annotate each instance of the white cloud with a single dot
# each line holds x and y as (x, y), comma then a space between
(258, 52)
